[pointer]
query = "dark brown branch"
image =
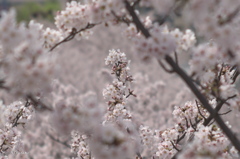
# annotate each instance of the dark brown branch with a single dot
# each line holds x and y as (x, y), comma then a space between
(231, 136)
(196, 121)
(204, 102)
(225, 113)
(15, 120)
(186, 122)
(1, 146)
(19, 115)
(180, 138)
(73, 33)
(29, 97)
(2, 86)
(217, 109)
(176, 57)
(192, 125)
(199, 111)
(230, 17)
(235, 74)
(174, 146)
(164, 67)
(130, 92)
(220, 73)
(136, 20)
(211, 123)
(37, 103)
(64, 143)
(121, 18)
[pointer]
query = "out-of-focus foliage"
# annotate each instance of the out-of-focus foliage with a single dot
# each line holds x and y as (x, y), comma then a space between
(31, 10)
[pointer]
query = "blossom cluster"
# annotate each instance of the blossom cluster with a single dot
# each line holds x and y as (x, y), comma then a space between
(26, 66)
(191, 136)
(74, 113)
(18, 111)
(116, 93)
(208, 141)
(162, 41)
(78, 17)
(79, 145)
(122, 127)
(218, 22)
(119, 139)
(14, 117)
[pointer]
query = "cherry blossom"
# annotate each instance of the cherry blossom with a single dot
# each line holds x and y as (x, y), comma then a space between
(138, 115)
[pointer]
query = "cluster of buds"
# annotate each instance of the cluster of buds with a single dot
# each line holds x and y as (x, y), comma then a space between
(117, 92)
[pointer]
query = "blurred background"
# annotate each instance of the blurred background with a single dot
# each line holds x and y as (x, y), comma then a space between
(81, 63)
(32, 9)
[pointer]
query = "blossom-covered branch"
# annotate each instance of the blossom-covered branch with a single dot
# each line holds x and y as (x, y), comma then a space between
(188, 81)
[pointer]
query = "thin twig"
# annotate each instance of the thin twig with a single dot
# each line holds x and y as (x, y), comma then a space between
(164, 67)
(121, 19)
(174, 146)
(176, 57)
(196, 122)
(220, 73)
(15, 120)
(225, 113)
(37, 103)
(192, 125)
(72, 35)
(235, 74)
(230, 17)
(217, 109)
(2, 86)
(199, 111)
(19, 115)
(57, 140)
(186, 122)
(211, 123)
(180, 138)
(130, 92)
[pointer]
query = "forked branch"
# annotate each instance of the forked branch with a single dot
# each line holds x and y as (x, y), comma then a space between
(187, 80)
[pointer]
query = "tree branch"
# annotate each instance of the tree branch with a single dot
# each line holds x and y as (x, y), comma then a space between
(174, 146)
(164, 67)
(218, 107)
(231, 136)
(73, 33)
(187, 80)
(57, 140)
(136, 20)
(37, 103)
